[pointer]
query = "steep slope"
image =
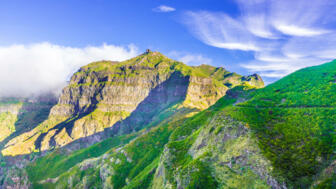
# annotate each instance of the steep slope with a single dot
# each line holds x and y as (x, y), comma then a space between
(123, 97)
(214, 151)
(294, 120)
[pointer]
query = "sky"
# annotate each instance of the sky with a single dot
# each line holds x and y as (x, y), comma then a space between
(43, 42)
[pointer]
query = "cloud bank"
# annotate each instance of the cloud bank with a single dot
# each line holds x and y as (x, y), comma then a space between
(283, 35)
(43, 67)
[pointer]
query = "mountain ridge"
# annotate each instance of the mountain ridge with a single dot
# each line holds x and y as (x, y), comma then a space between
(103, 93)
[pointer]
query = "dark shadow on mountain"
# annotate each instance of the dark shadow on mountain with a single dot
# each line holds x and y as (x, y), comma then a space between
(69, 123)
(165, 95)
(30, 115)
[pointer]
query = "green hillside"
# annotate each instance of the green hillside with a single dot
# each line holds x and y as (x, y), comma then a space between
(294, 120)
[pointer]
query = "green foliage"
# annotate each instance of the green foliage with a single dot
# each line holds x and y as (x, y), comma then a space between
(328, 183)
(202, 178)
(309, 87)
(58, 162)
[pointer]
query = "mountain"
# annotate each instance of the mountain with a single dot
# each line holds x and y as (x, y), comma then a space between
(152, 122)
(118, 102)
(113, 98)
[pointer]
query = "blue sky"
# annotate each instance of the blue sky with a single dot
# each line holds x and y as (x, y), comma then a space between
(269, 37)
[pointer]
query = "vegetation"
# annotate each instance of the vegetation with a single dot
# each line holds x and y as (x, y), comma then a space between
(59, 161)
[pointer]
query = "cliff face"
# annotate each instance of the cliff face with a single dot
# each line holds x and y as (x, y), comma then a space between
(125, 96)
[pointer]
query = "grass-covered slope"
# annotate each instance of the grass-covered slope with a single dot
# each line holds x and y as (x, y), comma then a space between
(294, 120)
(212, 150)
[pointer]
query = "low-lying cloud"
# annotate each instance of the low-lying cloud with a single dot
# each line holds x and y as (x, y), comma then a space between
(44, 67)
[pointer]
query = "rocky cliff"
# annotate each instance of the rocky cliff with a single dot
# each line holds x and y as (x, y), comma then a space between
(125, 96)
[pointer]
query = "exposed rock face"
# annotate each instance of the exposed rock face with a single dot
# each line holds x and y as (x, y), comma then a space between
(254, 80)
(125, 96)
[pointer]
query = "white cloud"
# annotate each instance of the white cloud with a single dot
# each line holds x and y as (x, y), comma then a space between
(45, 67)
(220, 30)
(299, 31)
(284, 36)
(257, 25)
(164, 8)
(189, 58)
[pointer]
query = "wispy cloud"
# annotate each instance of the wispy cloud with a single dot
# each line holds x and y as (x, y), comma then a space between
(284, 35)
(164, 8)
(44, 67)
(299, 31)
(220, 30)
(190, 58)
